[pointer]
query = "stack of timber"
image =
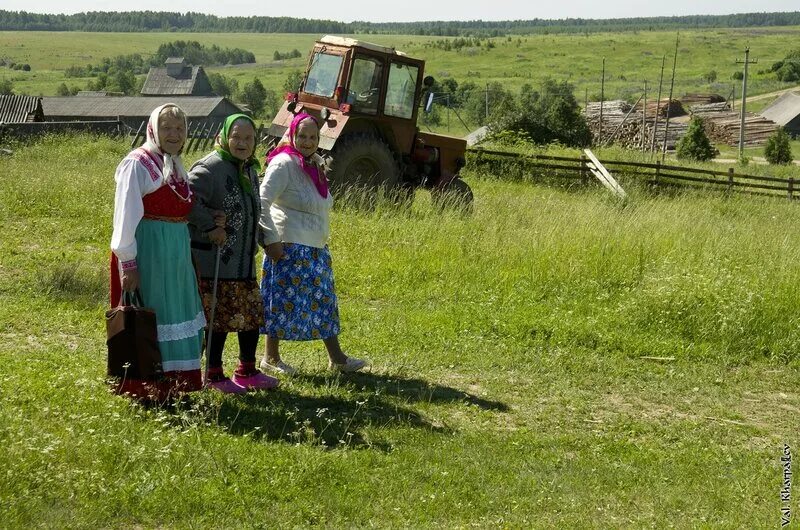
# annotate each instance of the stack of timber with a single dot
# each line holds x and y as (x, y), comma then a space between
(724, 127)
(616, 107)
(690, 100)
(705, 108)
(623, 126)
(673, 107)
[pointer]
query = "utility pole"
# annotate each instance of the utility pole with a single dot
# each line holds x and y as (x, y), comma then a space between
(644, 114)
(669, 100)
(487, 102)
(746, 62)
(658, 106)
(602, 99)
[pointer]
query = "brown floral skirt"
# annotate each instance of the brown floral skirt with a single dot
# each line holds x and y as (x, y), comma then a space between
(239, 305)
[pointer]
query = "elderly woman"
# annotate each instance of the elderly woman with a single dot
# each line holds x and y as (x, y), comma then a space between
(226, 182)
(297, 278)
(151, 252)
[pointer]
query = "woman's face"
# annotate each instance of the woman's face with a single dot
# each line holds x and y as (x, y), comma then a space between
(306, 137)
(171, 134)
(242, 139)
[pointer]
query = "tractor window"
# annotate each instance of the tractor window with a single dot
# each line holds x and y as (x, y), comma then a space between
(323, 74)
(364, 91)
(400, 92)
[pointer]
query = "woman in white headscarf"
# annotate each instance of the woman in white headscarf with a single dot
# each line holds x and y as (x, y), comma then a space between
(151, 251)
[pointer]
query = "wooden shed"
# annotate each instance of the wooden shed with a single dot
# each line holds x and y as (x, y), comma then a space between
(20, 109)
(176, 78)
(132, 110)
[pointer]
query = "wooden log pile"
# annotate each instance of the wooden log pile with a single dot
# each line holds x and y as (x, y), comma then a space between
(674, 107)
(724, 127)
(690, 100)
(622, 127)
(705, 108)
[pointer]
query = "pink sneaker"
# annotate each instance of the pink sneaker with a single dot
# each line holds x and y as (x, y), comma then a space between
(226, 386)
(256, 381)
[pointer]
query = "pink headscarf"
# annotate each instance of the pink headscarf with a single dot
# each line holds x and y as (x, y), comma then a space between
(310, 168)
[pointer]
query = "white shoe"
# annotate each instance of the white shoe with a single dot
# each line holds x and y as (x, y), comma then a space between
(350, 365)
(280, 367)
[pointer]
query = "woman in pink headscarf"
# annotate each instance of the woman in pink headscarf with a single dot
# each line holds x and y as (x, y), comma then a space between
(297, 278)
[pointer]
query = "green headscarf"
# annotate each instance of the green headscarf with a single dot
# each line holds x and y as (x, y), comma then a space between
(222, 148)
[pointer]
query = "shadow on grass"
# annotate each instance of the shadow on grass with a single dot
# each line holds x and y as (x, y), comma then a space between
(375, 402)
(410, 389)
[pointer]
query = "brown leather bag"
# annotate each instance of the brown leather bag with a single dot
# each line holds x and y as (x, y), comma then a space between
(132, 340)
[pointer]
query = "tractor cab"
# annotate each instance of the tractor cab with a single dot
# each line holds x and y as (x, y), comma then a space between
(366, 97)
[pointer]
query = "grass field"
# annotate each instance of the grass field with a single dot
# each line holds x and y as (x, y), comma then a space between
(631, 58)
(555, 360)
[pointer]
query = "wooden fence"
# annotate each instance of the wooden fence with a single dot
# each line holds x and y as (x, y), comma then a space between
(656, 174)
(199, 137)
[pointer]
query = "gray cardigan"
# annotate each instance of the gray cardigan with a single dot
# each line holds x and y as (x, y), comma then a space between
(215, 186)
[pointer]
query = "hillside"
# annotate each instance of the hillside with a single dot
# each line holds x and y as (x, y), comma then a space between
(555, 360)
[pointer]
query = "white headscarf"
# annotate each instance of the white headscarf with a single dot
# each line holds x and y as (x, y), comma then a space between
(173, 166)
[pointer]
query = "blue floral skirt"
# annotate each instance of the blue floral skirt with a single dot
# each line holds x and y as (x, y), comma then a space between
(299, 297)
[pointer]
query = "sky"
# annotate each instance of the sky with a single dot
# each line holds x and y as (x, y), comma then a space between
(415, 10)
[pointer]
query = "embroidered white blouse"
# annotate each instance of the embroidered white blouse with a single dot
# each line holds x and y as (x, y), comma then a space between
(134, 180)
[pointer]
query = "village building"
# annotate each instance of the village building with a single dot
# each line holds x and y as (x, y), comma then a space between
(133, 110)
(176, 78)
(785, 111)
(20, 109)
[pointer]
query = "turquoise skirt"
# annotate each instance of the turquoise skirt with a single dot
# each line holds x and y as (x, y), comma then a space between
(169, 286)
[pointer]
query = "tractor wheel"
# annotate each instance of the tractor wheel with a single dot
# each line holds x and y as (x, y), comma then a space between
(455, 194)
(363, 164)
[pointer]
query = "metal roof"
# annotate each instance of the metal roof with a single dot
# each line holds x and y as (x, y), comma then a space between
(345, 41)
(111, 107)
(20, 109)
(190, 81)
(784, 109)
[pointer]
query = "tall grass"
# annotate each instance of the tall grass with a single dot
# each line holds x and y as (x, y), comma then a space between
(555, 359)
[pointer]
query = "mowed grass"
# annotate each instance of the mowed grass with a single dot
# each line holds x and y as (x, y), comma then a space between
(631, 58)
(556, 359)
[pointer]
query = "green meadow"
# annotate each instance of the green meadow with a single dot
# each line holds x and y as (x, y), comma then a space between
(630, 58)
(556, 359)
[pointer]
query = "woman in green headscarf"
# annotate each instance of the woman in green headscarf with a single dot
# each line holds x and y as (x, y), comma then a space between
(224, 219)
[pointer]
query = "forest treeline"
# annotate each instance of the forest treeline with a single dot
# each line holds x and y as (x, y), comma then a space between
(198, 22)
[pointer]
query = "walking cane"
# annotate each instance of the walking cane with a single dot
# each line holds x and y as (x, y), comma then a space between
(213, 306)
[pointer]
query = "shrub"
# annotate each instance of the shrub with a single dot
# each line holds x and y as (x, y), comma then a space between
(549, 115)
(695, 144)
(778, 150)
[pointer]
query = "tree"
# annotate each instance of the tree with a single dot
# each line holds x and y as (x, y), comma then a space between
(788, 70)
(546, 116)
(695, 144)
(710, 76)
(778, 150)
(254, 95)
(6, 87)
(293, 80)
(63, 90)
(223, 86)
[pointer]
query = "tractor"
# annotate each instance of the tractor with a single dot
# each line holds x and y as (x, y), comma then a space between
(367, 98)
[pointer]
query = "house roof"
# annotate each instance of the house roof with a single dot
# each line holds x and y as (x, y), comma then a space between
(784, 109)
(20, 109)
(98, 107)
(191, 81)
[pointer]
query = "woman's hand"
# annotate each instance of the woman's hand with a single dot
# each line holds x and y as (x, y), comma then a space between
(130, 280)
(218, 236)
(219, 218)
(274, 251)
